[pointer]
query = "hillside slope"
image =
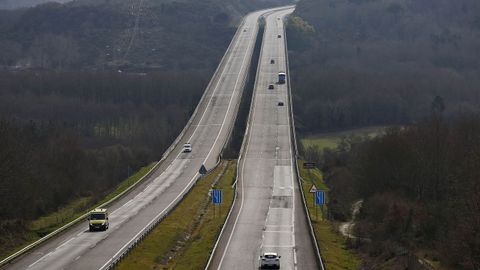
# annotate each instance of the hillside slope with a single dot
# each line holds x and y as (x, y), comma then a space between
(121, 34)
(14, 4)
(358, 62)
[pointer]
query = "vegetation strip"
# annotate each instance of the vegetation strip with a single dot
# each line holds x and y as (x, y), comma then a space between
(184, 239)
(333, 246)
(46, 227)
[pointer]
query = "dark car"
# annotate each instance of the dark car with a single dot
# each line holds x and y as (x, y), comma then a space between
(270, 86)
(272, 61)
(280, 103)
(279, 36)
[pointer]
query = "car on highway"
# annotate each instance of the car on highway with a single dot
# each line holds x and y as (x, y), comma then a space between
(282, 76)
(98, 220)
(272, 61)
(280, 103)
(270, 86)
(270, 260)
(279, 36)
(187, 148)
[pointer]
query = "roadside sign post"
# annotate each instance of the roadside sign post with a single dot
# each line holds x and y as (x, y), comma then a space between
(202, 170)
(319, 200)
(309, 166)
(313, 190)
(216, 199)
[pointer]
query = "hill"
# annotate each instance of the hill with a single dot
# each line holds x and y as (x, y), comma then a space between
(382, 62)
(14, 4)
(120, 34)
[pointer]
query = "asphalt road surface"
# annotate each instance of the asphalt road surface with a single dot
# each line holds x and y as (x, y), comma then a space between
(268, 215)
(78, 248)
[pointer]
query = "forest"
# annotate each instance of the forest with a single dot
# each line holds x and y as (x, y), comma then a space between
(411, 65)
(420, 191)
(71, 135)
(358, 63)
(92, 90)
(121, 34)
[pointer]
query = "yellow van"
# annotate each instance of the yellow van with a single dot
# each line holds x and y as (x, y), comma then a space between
(98, 219)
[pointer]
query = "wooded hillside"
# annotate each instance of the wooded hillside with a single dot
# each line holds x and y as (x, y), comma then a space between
(357, 63)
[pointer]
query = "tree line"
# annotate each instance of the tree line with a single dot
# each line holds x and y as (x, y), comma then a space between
(359, 63)
(420, 186)
(66, 135)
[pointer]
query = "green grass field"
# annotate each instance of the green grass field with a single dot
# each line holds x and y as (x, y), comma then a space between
(67, 213)
(332, 139)
(185, 238)
(334, 252)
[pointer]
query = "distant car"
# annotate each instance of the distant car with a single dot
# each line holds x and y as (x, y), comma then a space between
(270, 260)
(270, 86)
(244, 30)
(187, 148)
(280, 103)
(279, 36)
(272, 61)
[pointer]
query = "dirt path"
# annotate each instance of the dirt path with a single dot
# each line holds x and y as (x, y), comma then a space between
(346, 228)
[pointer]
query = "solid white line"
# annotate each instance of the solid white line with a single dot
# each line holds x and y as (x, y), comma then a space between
(240, 182)
(249, 48)
(206, 158)
(285, 95)
(65, 243)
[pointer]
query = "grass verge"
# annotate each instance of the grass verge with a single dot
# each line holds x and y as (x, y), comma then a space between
(44, 225)
(332, 245)
(185, 238)
(332, 139)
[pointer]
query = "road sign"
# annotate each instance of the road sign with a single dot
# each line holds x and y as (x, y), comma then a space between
(320, 197)
(313, 189)
(202, 170)
(309, 165)
(217, 196)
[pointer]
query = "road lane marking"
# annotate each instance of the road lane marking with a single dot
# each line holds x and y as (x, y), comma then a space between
(37, 261)
(65, 243)
(196, 128)
(241, 179)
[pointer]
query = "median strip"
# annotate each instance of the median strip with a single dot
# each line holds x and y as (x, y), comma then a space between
(184, 239)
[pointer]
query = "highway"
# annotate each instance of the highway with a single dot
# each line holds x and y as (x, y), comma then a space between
(268, 215)
(77, 248)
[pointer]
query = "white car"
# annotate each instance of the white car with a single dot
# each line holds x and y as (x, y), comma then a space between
(270, 260)
(187, 148)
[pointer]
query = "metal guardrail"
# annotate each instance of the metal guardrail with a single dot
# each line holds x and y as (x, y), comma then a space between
(297, 170)
(242, 148)
(239, 162)
(75, 221)
(167, 152)
(142, 234)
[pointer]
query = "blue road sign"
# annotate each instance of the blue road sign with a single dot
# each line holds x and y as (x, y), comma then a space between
(320, 197)
(217, 196)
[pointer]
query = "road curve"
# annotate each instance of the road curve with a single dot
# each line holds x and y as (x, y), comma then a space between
(268, 215)
(77, 248)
